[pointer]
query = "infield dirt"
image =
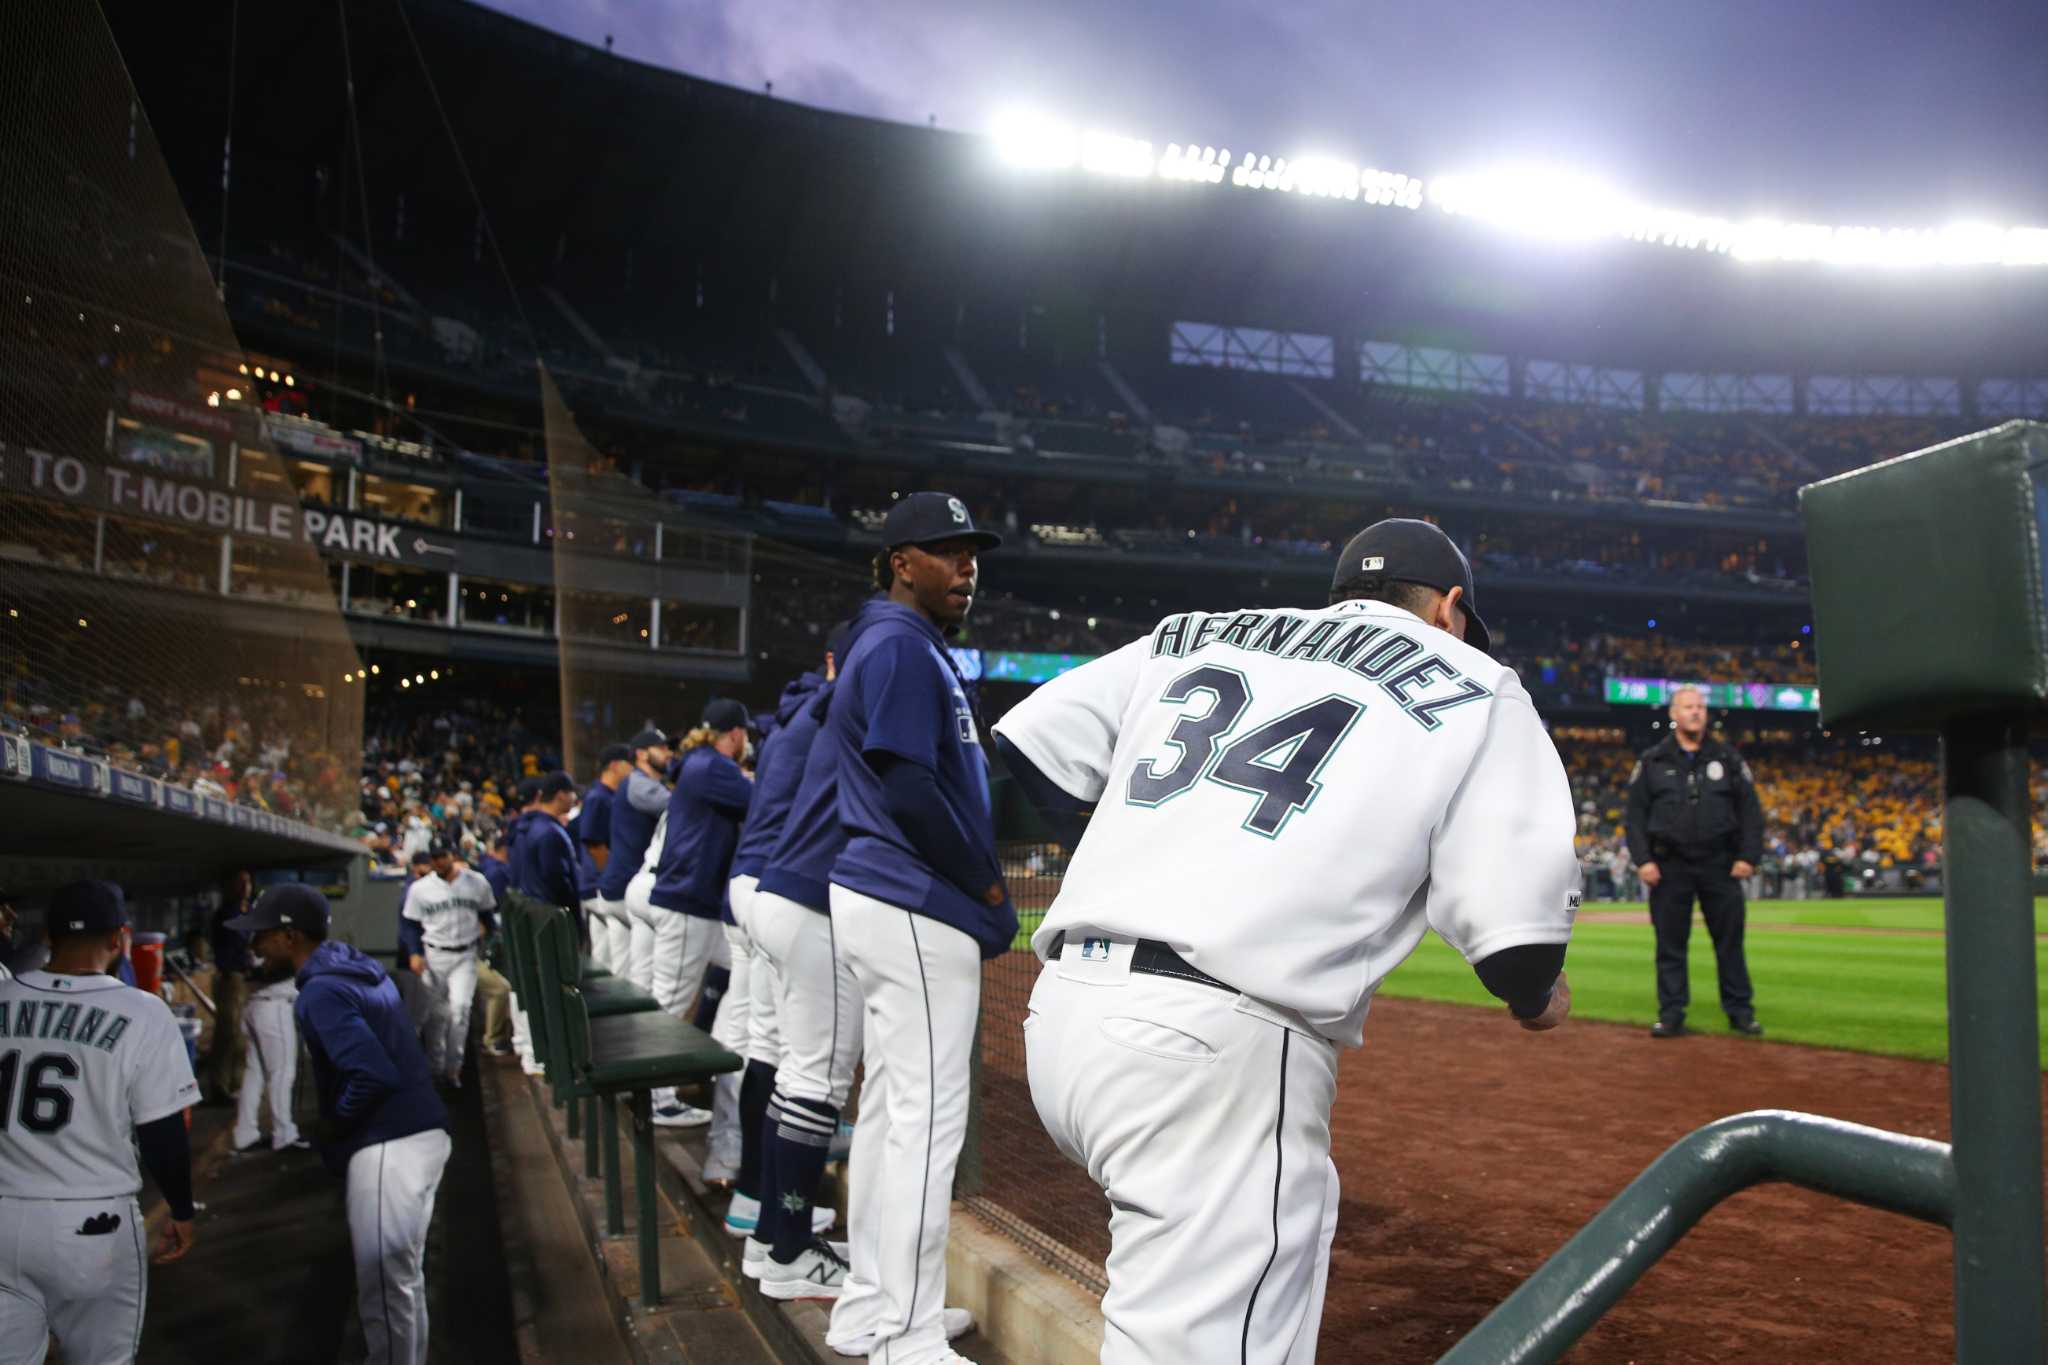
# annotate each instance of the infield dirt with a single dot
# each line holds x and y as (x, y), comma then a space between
(1470, 1151)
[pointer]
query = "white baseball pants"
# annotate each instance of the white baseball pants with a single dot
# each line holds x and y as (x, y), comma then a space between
(763, 1042)
(815, 1018)
(87, 1288)
(682, 949)
(611, 933)
(921, 983)
(451, 990)
(731, 1030)
(273, 1065)
(640, 927)
(1206, 1119)
(391, 1188)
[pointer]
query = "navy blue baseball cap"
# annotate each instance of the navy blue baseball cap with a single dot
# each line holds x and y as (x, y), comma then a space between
(555, 783)
(924, 518)
(87, 908)
(290, 905)
(1404, 550)
(650, 738)
(613, 753)
(725, 713)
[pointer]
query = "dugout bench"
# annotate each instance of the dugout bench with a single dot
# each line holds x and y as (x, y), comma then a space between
(1932, 602)
(600, 1037)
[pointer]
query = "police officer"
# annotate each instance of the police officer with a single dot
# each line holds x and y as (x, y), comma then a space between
(1695, 827)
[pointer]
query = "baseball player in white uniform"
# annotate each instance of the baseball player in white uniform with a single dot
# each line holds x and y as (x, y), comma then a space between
(273, 1060)
(453, 908)
(90, 1072)
(1283, 801)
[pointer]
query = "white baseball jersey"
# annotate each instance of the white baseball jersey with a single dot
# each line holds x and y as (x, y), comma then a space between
(1289, 797)
(83, 1061)
(449, 913)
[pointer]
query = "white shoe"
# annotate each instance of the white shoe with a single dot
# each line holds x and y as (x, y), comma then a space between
(818, 1272)
(681, 1116)
(756, 1258)
(742, 1216)
(959, 1322)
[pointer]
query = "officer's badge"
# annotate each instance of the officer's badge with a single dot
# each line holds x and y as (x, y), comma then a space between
(1715, 772)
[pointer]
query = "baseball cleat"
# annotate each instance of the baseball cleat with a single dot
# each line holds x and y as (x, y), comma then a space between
(742, 1216)
(1747, 1026)
(1668, 1028)
(756, 1257)
(818, 1272)
(681, 1116)
(959, 1322)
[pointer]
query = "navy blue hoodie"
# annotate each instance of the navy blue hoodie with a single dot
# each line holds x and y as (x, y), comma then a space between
(593, 825)
(704, 815)
(636, 808)
(367, 1064)
(900, 695)
(776, 775)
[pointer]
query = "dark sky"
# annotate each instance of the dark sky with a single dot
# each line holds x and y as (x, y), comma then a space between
(1885, 112)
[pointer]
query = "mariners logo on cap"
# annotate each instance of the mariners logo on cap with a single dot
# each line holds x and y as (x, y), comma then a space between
(958, 509)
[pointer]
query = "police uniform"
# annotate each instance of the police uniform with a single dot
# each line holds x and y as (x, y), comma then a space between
(1695, 814)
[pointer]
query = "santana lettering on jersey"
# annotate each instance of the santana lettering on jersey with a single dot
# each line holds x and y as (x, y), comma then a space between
(83, 1061)
(1291, 798)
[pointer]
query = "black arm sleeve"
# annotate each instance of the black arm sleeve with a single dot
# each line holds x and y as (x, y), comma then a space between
(1637, 825)
(1066, 815)
(1752, 817)
(1522, 976)
(920, 811)
(167, 1152)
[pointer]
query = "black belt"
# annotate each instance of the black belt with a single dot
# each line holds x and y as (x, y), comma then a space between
(1152, 958)
(456, 948)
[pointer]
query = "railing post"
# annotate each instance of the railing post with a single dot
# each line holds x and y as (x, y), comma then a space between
(1994, 1045)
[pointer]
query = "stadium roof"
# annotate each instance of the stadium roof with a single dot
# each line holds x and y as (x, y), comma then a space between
(592, 165)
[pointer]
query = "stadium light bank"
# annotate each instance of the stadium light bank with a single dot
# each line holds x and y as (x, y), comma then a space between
(1551, 203)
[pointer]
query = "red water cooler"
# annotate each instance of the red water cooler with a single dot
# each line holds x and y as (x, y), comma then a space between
(146, 955)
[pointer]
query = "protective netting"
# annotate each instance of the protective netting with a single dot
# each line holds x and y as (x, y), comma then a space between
(1018, 1179)
(162, 599)
(651, 602)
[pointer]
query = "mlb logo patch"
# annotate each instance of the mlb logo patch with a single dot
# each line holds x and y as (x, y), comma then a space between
(1373, 564)
(1095, 950)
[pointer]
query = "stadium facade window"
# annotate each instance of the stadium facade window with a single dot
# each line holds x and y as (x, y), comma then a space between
(1882, 395)
(1433, 368)
(405, 501)
(157, 552)
(1303, 354)
(407, 594)
(1690, 392)
(33, 531)
(613, 618)
(1557, 381)
(701, 548)
(698, 628)
(490, 512)
(498, 604)
(603, 535)
(272, 572)
(2005, 398)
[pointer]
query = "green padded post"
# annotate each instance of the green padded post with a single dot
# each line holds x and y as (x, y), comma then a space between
(590, 1103)
(614, 1202)
(575, 1116)
(1994, 1039)
(650, 1219)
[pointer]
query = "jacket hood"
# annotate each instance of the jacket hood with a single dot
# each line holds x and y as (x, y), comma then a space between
(344, 960)
(794, 694)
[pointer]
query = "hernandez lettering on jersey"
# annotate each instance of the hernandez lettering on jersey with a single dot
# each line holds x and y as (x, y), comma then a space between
(1423, 687)
(83, 1061)
(1291, 798)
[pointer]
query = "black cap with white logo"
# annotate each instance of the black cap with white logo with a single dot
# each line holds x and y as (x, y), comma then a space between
(87, 908)
(924, 518)
(290, 905)
(1403, 550)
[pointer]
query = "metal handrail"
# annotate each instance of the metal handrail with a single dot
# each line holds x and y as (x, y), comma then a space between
(1564, 1298)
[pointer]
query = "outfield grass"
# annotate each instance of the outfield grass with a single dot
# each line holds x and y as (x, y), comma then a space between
(1884, 993)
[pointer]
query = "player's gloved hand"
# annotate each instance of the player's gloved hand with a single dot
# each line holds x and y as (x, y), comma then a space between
(1554, 1013)
(175, 1241)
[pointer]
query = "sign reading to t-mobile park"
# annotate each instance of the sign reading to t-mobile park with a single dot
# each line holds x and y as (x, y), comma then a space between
(141, 492)
(1722, 696)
